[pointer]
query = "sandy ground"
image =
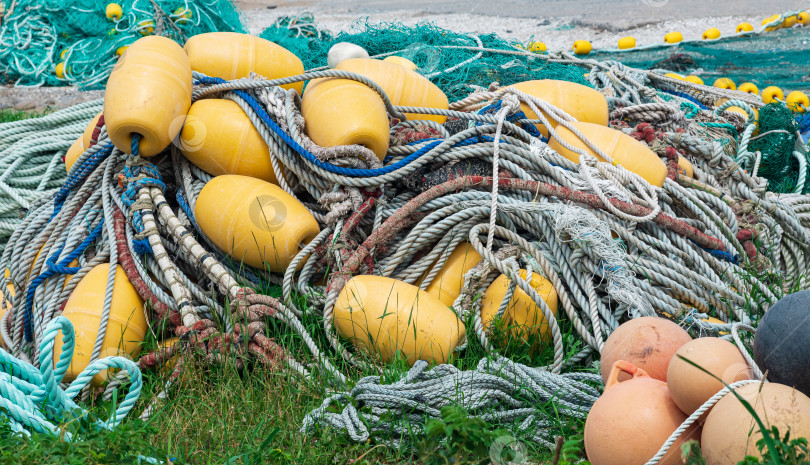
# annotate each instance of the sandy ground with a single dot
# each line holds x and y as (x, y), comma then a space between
(558, 23)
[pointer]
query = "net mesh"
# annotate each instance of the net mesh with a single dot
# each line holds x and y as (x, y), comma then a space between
(37, 35)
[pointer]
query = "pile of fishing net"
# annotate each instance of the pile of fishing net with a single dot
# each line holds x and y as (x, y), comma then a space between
(75, 42)
(708, 247)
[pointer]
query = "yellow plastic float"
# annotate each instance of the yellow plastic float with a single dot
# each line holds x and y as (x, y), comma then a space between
(804, 18)
(148, 93)
(537, 47)
(633, 155)
(582, 102)
(673, 37)
(739, 110)
(120, 50)
(408, 64)
(582, 47)
(126, 325)
(744, 27)
(82, 143)
(748, 87)
(674, 76)
(345, 112)
(693, 79)
(685, 167)
(627, 42)
(790, 21)
(219, 138)
(231, 55)
(772, 94)
(146, 27)
(770, 19)
(797, 101)
(60, 70)
(711, 34)
(522, 316)
(401, 85)
(113, 11)
(388, 316)
(446, 285)
(253, 221)
(724, 83)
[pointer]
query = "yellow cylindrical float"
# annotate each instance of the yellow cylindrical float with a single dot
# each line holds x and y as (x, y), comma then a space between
(113, 11)
(772, 94)
(770, 19)
(522, 315)
(126, 325)
(790, 21)
(674, 76)
(253, 221)
(724, 83)
(748, 87)
(582, 47)
(536, 47)
(146, 27)
(82, 143)
(797, 101)
(59, 71)
(673, 37)
(693, 79)
(388, 316)
(739, 110)
(219, 138)
(408, 64)
(581, 102)
(744, 27)
(402, 86)
(711, 34)
(627, 42)
(685, 167)
(148, 93)
(231, 55)
(804, 18)
(446, 285)
(633, 155)
(345, 112)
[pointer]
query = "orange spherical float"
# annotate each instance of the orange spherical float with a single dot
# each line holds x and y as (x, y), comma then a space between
(730, 431)
(633, 419)
(689, 386)
(647, 342)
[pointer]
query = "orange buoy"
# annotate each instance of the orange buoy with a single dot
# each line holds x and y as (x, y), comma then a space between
(446, 285)
(685, 167)
(148, 94)
(689, 386)
(648, 342)
(582, 102)
(231, 55)
(402, 86)
(632, 420)
(730, 432)
(388, 316)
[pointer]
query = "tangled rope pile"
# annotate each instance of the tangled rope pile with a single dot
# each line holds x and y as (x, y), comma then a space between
(714, 244)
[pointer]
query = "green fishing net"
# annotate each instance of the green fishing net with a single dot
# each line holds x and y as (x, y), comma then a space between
(776, 142)
(37, 35)
(425, 45)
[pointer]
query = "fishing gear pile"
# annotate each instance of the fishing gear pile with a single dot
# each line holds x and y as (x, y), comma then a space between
(522, 222)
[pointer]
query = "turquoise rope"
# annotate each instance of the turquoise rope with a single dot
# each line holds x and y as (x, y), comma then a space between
(31, 398)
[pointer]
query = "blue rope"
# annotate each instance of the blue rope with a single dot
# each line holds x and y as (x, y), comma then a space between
(310, 157)
(53, 269)
(77, 176)
(721, 254)
(687, 97)
(141, 175)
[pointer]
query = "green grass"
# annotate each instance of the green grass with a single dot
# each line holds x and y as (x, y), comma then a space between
(8, 115)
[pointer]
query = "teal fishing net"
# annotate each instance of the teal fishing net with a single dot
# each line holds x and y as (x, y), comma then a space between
(780, 58)
(776, 143)
(37, 35)
(427, 46)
